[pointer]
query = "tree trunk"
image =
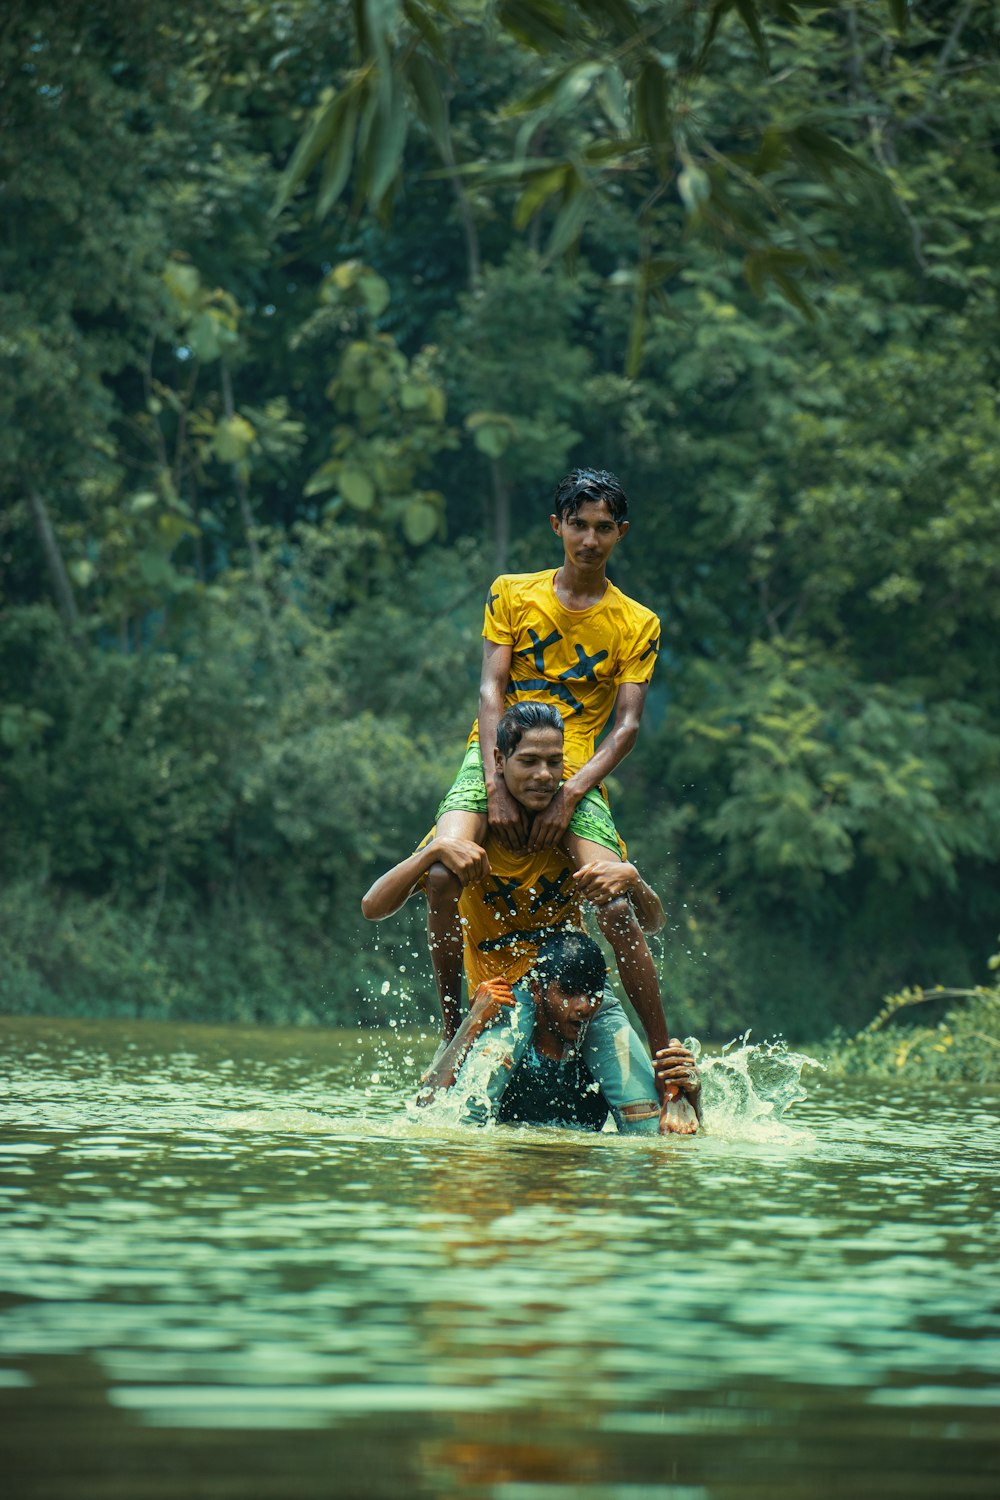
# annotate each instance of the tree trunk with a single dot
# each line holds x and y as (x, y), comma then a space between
(501, 516)
(61, 586)
(246, 515)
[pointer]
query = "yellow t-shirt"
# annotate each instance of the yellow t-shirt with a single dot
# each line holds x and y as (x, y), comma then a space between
(574, 658)
(504, 917)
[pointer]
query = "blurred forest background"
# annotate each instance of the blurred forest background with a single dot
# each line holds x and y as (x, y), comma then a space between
(305, 307)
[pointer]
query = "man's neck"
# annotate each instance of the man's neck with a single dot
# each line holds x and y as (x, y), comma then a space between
(545, 1040)
(579, 588)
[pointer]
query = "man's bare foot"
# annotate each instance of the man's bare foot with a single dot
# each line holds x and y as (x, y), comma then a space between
(677, 1117)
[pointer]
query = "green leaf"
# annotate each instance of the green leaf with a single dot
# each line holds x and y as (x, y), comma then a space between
(718, 13)
(311, 147)
(493, 439)
(233, 439)
(541, 186)
(155, 569)
(900, 11)
(651, 107)
(413, 395)
(374, 291)
(433, 109)
(339, 158)
(820, 153)
(542, 25)
(387, 138)
(695, 188)
(636, 333)
(357, 487)
(570, 220)
(421, 21)
(420, 522)
(615, 15)
(204, 337)
(183, 282)
(747, 11)
(82, 571)
(326, 477)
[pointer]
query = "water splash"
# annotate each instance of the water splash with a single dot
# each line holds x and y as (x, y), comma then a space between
(748, 1088)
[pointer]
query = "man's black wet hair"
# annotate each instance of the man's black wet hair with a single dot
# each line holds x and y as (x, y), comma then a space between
(522, 717)
(573, 960)
(581, 485)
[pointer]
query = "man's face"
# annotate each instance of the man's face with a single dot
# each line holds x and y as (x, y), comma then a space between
(533, 770)
(565, 1013)
(589, 534)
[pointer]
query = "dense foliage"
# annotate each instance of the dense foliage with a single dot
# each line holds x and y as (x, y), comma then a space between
(304, 308)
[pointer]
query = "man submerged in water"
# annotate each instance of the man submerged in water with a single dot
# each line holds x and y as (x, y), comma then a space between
(510, 900)
(523, 1063)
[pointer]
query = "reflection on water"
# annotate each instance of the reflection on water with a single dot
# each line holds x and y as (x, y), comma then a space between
(235, 1264)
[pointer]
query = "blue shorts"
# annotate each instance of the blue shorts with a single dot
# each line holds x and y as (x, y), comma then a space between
(609, 1047)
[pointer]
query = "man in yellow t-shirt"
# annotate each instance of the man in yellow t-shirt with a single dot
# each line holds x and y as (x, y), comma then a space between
(571, 638)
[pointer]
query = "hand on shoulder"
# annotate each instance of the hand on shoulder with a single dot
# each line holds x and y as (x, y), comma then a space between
(463, 857)
(601, 881)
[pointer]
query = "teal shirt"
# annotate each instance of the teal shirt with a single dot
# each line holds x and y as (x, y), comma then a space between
(541, 1091)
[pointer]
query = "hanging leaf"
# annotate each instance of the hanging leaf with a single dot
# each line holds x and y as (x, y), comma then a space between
(492, 431)
(385, 150)
(183, 282)
(420, 522)
(541, 25)
(311, 147)
(357, 488)
(340, 156)
(233, 439)
(541, 186)
(155, 569)
(420, 21)
(570, 220)
(695, 188)
(413, 395)
(747, 11)
(325, 478)
(433, 110)
(82, 571)
(651, 108)
(374, 291)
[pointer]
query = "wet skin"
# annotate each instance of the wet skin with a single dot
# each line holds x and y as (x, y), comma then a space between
(589, 536)
(562, 1015)
(533, 769)
(675, 1066)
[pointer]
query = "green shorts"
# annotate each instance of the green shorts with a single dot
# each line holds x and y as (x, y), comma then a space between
(592, 819)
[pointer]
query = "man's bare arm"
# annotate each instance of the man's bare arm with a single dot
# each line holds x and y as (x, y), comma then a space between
(392, 890)
(602, 881)
(487, 1003)
(550, 825)
(507, 818)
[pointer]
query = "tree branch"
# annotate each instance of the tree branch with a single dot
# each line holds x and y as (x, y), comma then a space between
(61, 586)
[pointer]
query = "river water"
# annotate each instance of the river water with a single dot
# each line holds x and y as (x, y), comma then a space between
(234, 1264)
